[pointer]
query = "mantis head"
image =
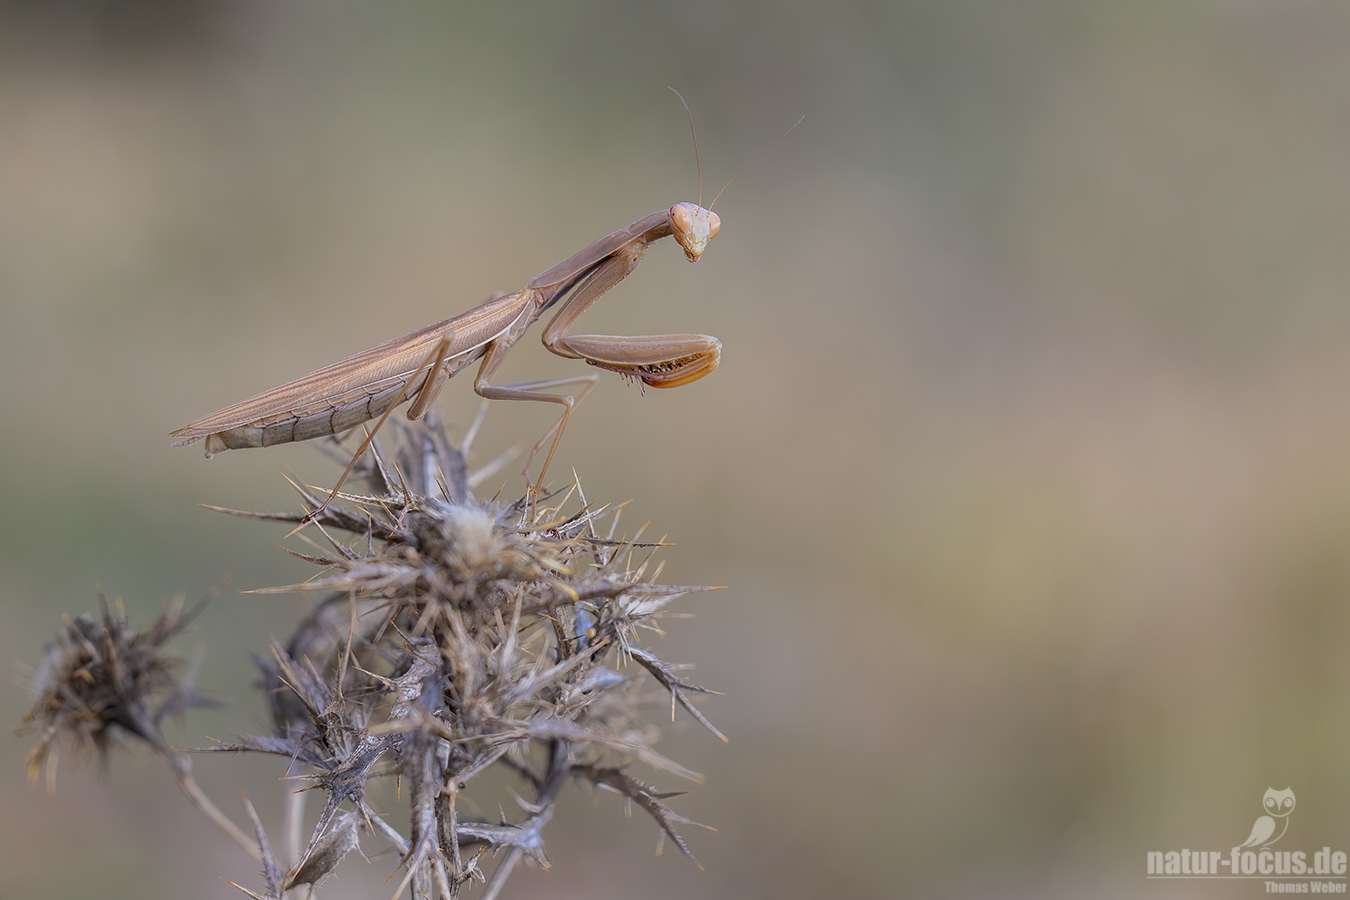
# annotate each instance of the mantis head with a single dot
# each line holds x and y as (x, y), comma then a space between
(693, 227)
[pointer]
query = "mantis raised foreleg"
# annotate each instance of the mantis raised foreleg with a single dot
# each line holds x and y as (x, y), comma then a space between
(371, 383)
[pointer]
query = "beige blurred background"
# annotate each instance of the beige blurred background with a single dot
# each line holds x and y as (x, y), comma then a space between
(1027, 466)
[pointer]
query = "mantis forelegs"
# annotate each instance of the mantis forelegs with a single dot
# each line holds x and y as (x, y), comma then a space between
(660, 360)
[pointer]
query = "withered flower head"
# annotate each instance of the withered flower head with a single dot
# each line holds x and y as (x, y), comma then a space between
(459, 637)
(102, 679)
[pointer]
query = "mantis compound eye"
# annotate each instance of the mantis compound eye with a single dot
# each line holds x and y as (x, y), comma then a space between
(681, 218)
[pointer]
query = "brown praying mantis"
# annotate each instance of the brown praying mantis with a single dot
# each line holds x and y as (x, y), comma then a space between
(372, 383)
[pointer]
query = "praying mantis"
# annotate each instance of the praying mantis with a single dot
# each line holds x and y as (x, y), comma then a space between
(372, 383)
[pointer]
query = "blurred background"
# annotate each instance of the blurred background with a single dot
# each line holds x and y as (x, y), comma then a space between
(1027, 466)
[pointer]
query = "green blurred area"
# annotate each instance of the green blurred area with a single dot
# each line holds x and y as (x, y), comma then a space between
(1027, 465)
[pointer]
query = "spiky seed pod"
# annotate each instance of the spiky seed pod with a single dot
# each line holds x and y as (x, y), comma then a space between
(101, 680)
(461, 636)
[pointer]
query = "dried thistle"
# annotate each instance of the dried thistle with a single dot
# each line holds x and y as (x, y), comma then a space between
(102, 681)
(455, 637)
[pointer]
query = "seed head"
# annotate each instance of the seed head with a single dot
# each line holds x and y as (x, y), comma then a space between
(102, 680)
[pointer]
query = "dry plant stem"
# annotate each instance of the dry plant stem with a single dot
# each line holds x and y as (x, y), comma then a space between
(559, 771)
(295, 815)
(499, 878)
(182, 766)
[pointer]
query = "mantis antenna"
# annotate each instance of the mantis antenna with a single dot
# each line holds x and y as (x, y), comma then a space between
(698, 166)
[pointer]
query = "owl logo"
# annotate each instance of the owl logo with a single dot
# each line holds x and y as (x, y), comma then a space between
(1278, 805)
